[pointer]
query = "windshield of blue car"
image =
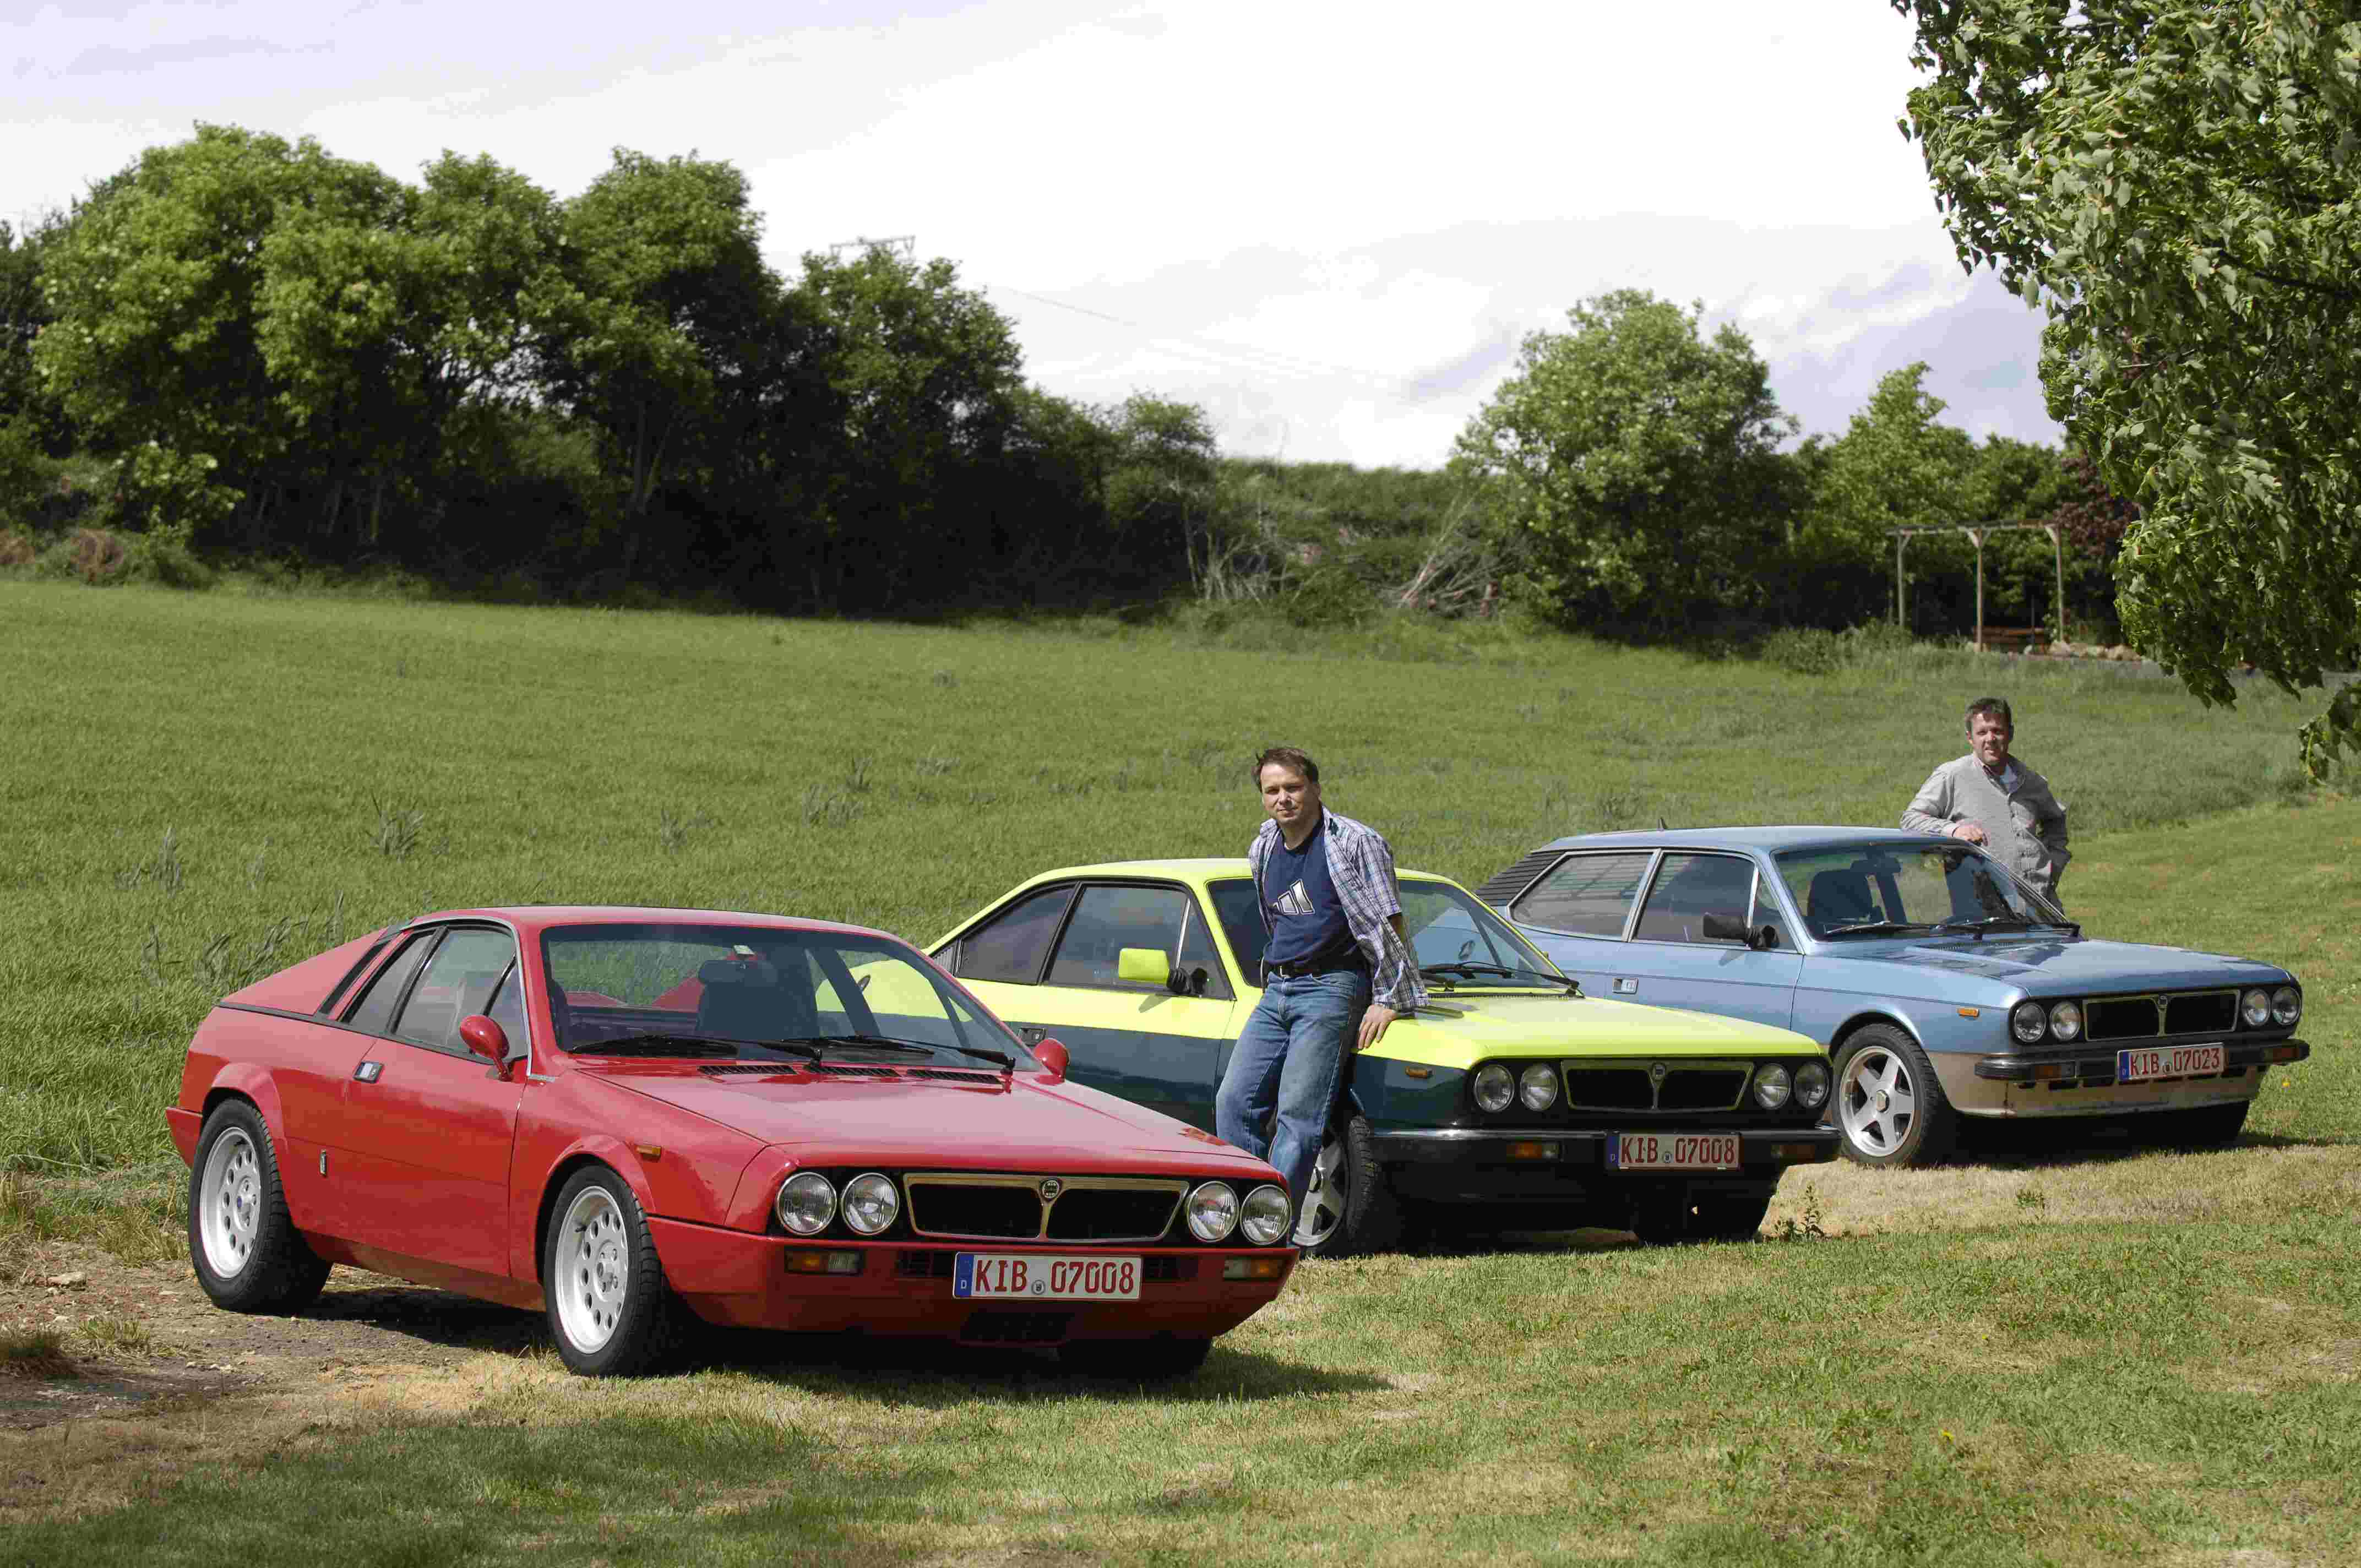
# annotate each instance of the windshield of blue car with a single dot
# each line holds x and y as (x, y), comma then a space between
(666, 988)
(1445, 926)
(1888, 889)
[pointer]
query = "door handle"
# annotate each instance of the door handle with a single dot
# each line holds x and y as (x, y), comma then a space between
(367, 1072)
(1626, 986)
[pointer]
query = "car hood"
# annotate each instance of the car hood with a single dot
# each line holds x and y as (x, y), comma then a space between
(1013, 1124)
(1463, 1027)
(2055, 967)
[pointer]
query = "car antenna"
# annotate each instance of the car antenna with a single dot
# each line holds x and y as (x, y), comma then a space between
(1663, 825)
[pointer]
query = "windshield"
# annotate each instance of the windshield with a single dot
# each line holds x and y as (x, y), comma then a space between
(676, 989)
(1445, 926)
(1881, 888)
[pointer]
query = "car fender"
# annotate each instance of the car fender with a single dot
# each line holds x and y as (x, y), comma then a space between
(537, 1204)
(249, 1080)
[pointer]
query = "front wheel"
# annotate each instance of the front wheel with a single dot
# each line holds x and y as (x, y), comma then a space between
(610, 1309)
(1890, 1107)
(1349, 1207)
(247, 1251)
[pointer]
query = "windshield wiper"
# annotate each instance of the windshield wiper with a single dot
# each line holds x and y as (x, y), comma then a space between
(1984, 923)
(668, 1045)
(1465, 971)
(1006, 1062)
(1859, 927)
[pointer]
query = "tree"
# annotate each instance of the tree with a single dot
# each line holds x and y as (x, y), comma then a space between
(2175, 182)
(1630, 467)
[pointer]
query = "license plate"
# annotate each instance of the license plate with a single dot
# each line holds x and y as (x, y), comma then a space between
(2167, 1061)
(1042, 1276)
(1672, 1151)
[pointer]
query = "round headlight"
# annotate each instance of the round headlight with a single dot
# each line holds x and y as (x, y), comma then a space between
(1773, 1085)
(2256, 1008)
(870, 1203)
(1494, 1087)
(2287, 1005)
(1212, 1211)
(806, 1203)
(2066, 1020)
(2028, 1022)
(1811, 1084)
(1263, 1218)
(1537, 1087)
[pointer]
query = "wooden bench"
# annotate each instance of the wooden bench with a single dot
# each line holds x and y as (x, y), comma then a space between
(2013, 639)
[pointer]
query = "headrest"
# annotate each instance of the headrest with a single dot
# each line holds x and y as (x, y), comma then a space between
(737, 972)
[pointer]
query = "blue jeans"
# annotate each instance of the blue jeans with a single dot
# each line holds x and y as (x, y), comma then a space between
(1289, 1057)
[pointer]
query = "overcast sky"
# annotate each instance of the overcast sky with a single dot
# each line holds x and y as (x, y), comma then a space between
(1328, 223)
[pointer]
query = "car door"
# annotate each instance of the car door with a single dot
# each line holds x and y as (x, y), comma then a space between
(1580, 913)
(428, 1127)
(1138, 1039)
(1669, 960)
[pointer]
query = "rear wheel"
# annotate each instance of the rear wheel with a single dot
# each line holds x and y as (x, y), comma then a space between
(610, 1309)
(1349, 1206)
(1889, 1107)
(247, 1251)
(1138, 1361)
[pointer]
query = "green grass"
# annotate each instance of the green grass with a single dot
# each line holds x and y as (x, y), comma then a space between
(201, 788)
(2076, 1358)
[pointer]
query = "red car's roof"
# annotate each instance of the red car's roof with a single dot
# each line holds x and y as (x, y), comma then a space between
(541, 916)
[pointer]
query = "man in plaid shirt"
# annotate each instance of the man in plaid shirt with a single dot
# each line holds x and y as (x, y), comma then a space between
(1336, 969)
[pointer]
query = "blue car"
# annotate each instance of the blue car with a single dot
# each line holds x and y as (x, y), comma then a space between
(1943, 987)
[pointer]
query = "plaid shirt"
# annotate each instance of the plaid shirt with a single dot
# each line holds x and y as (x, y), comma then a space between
(1361, 864)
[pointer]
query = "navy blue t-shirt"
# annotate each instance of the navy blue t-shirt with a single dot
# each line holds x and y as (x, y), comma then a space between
(1307, 918)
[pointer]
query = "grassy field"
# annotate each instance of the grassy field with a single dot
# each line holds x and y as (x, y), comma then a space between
(2082, 1356)
(200, 788)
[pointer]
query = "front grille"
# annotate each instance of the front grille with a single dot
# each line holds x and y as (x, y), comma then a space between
(915, 1264)
(1632, 1086)
(1011, 1207)
(2147, 1017)
(992, 1327)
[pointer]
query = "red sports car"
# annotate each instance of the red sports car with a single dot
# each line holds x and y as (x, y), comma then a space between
(638, 1118)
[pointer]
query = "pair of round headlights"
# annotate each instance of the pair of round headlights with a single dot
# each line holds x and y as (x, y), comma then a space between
(1536, 1088)
(809, 1200)
(2282, 1006)
(1214, 1212)
(2029, 1021)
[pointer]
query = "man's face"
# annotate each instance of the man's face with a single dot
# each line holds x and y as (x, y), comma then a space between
(1290, 797)
(1988, 736)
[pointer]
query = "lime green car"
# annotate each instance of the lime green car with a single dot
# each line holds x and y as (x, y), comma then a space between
(1511, 1101)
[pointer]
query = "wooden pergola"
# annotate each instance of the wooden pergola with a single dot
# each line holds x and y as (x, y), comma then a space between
(1976, 532)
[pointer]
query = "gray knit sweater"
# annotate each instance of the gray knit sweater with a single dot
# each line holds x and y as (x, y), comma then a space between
(2024, 826)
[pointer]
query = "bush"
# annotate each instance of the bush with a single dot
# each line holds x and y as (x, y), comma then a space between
(1808, 651)
(15, 549)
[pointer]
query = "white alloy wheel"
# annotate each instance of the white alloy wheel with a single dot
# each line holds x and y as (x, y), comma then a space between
(231, 1198)
(1877, 1101)
(593, 1276)
(1325, 1200)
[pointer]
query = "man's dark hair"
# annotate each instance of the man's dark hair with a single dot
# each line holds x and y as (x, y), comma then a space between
(1995, 705)
(1286, 757)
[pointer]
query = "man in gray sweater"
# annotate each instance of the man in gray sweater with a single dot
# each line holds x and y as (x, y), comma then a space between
(1987, 798)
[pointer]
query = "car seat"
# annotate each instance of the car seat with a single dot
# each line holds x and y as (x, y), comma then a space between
(1839, 898)
(751, 1000)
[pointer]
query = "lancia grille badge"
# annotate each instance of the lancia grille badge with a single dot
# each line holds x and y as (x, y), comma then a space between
(1656, 1074)
(1051, 1188)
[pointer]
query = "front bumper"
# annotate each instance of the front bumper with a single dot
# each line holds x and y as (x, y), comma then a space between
(1545, 1165)
(903, 1288)
(2080, 1080)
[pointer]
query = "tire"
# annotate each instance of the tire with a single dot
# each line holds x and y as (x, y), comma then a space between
(1351, 1203)
(2203, 1127)
(610, 1310)
(1889, 1106)
(1136, 1361)
(247, 1254)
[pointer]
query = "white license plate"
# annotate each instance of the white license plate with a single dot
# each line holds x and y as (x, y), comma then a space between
(2167, 1061)
(1042, 1276)
(1672, 1151)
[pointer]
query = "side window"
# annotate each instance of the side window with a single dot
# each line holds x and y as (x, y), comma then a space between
(1587, 895)
(1197, 953)
(506, 1009)
(374, 1012)
(457, 981)
(1234, 906)
(1689, 887)
(1109, 919)
(1011, 948)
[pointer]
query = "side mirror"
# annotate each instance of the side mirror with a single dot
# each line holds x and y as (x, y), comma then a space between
(1143, 966)
(1730, 928)
(485, 1038)
(1052, 1053)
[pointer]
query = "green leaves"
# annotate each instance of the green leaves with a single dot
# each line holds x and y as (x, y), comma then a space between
(2175, 181)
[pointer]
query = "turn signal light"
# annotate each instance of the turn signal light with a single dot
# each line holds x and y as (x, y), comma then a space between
(800, 1261)
(2049, 1069)
(1532, 1151)
(1271, 1267)
(1800, 1154)
(2282, 1053)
